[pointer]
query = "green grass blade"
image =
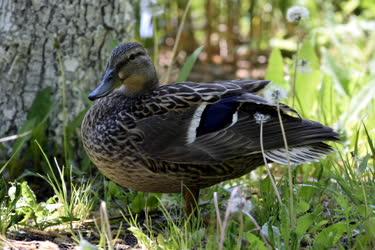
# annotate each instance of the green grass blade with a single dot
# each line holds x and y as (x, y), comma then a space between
(188, 66)
(15, 153)
(370, 143)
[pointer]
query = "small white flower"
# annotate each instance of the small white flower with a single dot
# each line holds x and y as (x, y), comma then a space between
(238, 203)
(304, 66)
(275, 94)
(261, 118)
(296, 14)
(12, 192)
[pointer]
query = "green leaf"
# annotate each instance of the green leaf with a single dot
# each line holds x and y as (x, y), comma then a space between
(330, 235)
(303, 224)
(26, 127)
(188, 66)
(308, 77)
(275, 69)
(152, 201)
(114, 191)
(28, 195)
(328, 100)
(41, 106)
(255, 243)
(14, 193)
(71, 132)
(369, 225)
(360, 101)
(343, 202)
(27, 204)
(302, 207)
(37, 114)
(269, 198)
(285, 227)
(138, 203)
(307, 192)
(320, 224)
(340, 75)
(307, 52)
(368, 4)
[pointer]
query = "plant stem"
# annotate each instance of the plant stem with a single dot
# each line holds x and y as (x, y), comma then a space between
(259, 229)
(364, 197)
(224, 229)
(267, 167)
(156, 45)
(240, 233)
(218, 218)
(290, 180)
(294, 79)
(178, 36)
(105, 226)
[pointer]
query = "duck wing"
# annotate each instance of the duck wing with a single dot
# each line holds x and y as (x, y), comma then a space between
(218, 123)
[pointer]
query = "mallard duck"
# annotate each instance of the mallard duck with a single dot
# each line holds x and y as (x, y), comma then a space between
(187, 136)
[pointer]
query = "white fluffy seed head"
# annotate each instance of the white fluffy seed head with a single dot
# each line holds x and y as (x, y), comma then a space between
(296, 14)
(274, 94)
(261, 118)
(238, 203)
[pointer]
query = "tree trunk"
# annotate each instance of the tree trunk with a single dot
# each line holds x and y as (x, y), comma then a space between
(45, 43)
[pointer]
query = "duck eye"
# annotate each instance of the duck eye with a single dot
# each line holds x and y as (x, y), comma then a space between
(131, 57)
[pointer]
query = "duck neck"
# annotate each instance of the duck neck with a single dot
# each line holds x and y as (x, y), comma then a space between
(145, 81)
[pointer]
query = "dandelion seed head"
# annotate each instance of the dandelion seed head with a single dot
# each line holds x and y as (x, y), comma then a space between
(261, 118)
(275, 94)
(296, 14)
(238, 203)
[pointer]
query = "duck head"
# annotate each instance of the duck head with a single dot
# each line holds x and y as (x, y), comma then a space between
(129, 66)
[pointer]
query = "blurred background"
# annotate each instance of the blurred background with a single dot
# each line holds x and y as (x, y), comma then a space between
(240, 35)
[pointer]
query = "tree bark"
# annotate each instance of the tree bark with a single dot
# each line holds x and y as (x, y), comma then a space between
(34, 34)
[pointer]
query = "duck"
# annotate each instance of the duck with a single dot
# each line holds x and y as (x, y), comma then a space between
(186, 136)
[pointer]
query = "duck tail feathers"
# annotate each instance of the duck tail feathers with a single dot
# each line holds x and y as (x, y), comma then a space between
(300, 154)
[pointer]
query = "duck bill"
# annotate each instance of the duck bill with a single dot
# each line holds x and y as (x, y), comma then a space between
(105, 87)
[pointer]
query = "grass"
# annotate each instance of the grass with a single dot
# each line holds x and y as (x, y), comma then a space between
(333, 207)
(324, 205)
